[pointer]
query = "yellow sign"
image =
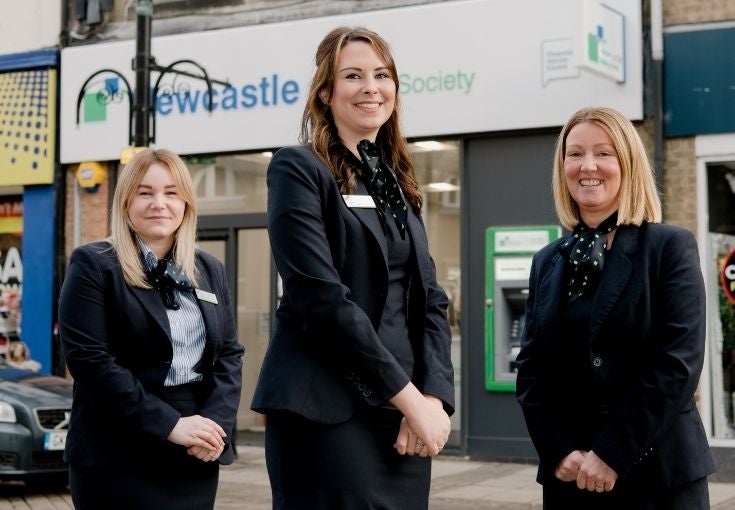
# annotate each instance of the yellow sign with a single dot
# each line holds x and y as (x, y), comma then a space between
(27, 127)
(128, 152)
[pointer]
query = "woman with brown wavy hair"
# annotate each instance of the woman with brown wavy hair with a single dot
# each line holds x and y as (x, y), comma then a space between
(357, 383)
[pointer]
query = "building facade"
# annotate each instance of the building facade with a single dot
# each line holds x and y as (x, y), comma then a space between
(485, 91)
(29, 169)
(699, 127)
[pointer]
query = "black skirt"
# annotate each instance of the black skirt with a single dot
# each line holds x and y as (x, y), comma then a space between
(347, 466)
(167, 478)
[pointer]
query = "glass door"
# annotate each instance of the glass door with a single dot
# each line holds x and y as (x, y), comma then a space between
(245, 252)
(253, 316)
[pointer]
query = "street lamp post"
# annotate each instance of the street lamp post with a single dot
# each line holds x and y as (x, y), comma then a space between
(142, 68)
(142, 104)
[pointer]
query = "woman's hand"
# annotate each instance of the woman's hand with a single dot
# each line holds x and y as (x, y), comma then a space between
(568, 468)
(204, 454)
(595, 475)
(198, 431)
(425, 427)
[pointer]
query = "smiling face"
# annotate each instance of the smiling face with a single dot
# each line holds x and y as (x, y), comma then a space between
(592, 172)
(364, 93)
(156, 209)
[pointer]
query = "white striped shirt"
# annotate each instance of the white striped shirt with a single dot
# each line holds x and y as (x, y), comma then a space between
(188, 333)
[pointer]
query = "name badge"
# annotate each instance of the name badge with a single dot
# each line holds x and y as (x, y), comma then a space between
(359, 201)
(203, 295)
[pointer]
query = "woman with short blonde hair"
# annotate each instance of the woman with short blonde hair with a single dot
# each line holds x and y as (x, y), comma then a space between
(639, 200)
(613, 345)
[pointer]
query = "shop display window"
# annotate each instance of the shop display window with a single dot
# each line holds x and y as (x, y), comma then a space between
(721, 309)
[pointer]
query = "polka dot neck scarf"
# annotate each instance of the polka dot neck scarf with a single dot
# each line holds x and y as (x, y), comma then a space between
(383, 186)
(585, 251)
(166, 276)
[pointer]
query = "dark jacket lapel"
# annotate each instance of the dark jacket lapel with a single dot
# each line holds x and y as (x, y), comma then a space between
(209, 310)
(615, 277)
(153, 304)
(551, 294)
(418, 236)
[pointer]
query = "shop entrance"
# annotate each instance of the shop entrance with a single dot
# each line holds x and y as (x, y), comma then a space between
(241, 243)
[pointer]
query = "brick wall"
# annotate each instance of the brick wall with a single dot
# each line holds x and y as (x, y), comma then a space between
(678, 12)
(680, 183)
(680, 171)
(93, 213)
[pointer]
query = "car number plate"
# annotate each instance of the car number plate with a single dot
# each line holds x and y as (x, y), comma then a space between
(55, 440)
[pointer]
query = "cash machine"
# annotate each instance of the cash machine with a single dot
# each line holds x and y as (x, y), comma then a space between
(509, 252)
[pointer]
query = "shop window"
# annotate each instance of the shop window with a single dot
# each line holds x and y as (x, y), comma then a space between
(721, 310)
(231, 184)
(437, 170)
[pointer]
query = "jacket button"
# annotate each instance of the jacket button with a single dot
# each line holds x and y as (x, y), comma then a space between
(361, 387)
(597, 361)
(367, 393)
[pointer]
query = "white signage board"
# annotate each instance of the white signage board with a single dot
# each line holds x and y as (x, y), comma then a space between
(465, 67)
(512, 268)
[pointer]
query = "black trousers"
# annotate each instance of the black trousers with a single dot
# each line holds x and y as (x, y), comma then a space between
(348, 466)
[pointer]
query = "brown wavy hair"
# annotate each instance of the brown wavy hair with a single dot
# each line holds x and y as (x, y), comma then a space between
(319, 130)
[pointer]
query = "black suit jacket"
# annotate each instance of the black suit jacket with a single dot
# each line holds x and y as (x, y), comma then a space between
(645, 356)
(116, 340)
(325, 355)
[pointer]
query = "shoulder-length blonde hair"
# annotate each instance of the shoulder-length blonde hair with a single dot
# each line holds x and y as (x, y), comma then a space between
(122, 234)
(638, 199)
(319, 130)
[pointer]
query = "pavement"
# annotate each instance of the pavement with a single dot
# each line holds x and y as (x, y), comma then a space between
(457, 484)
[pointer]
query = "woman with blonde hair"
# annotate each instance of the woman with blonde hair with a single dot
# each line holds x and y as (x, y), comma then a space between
(148, 333)
(614, 340)
(357, 383)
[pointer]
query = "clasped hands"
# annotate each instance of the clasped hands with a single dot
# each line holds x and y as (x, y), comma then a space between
(202, 437)
(588, 470)
(424, 428)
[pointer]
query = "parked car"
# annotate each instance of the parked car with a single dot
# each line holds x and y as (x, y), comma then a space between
(34, 419)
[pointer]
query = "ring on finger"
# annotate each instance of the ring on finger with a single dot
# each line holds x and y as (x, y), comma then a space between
(599, 488)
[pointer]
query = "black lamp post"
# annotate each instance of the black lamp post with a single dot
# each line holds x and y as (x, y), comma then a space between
(142, 107)
(142, 68)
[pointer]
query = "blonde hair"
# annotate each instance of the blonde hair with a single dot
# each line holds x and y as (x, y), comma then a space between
(638, 199)
(122, 234)
(319, 130)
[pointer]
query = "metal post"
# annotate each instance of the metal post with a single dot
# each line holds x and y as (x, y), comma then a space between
(142, 67)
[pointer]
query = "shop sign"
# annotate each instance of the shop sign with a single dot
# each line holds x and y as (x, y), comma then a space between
(727, 276)
(27, 127)
(604, 40)
(467, 66)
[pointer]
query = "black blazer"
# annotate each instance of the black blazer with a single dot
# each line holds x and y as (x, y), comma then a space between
(116, 340)
(325, 355)
(645, 356)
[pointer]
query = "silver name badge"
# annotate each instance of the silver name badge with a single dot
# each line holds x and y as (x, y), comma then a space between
(359, 201)
(203, 295)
